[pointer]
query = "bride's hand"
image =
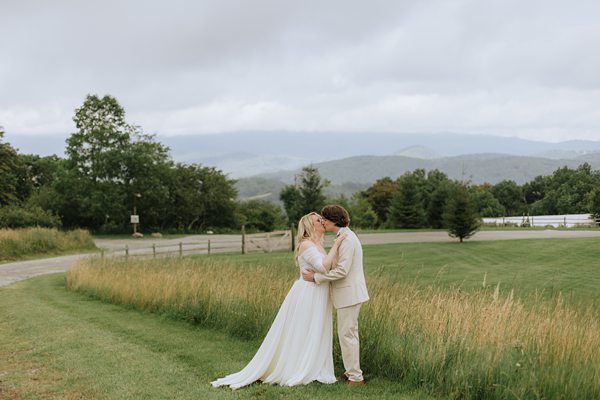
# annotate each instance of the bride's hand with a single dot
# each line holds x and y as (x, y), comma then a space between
(340, 239)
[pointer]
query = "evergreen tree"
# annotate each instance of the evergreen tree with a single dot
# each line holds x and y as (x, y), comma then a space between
(406, 208)
(437, 204)
(460, 216)
(306, 197)
(291, 199)
(311, 190)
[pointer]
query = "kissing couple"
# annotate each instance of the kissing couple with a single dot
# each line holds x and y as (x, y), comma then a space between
(298, 348)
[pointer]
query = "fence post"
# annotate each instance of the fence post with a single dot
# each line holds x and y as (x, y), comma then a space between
(154, 250)
(293, 238)
(565, 221)
(209, 247)
(102, 254)
(268, 242)
(126, 252)
(532, 225)
(180, 249)
(243, 239)
(503, 223)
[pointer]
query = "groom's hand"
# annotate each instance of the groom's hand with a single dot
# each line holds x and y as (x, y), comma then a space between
(308, 275)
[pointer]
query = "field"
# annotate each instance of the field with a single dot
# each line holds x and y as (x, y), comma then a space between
(490, 320)
(529, 267)
(496, 320)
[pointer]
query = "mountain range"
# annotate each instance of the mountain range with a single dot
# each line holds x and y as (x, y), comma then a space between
(263, 162)
(356, 173)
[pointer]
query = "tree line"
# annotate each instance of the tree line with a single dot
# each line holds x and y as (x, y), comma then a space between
(420, 199)
(112, 166)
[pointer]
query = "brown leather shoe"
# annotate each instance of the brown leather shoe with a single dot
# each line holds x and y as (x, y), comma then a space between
(350, 383)
(343, 378)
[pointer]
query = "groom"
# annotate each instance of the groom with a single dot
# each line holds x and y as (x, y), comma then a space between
(348, 289)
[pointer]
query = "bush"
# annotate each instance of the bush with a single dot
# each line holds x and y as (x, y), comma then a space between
(13, 217)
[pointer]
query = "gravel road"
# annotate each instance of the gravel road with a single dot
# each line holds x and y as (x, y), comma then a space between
(16, 271)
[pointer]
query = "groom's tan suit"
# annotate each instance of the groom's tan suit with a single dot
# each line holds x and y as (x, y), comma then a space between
(348, 291)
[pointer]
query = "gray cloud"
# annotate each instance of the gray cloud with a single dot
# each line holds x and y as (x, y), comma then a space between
(515, 68)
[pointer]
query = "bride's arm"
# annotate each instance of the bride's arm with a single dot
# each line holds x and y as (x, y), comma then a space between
(328, 260)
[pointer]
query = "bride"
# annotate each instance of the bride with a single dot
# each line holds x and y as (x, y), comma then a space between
(298, 347)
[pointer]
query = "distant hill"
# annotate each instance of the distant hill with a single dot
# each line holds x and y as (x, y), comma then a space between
(362, 171)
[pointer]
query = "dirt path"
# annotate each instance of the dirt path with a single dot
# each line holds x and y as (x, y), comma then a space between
(16, 271)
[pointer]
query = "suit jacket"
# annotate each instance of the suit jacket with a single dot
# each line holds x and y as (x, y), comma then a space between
(348, 286)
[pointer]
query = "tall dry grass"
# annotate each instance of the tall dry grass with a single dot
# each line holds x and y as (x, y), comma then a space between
(19, 243)
(480, 345)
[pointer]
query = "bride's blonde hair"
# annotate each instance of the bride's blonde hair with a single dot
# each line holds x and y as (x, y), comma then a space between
(306, 231)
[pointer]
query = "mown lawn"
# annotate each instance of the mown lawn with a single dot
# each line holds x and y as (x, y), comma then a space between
(56, 344)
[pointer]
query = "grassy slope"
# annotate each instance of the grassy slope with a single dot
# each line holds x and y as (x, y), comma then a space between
(31, 243)
(58, 344)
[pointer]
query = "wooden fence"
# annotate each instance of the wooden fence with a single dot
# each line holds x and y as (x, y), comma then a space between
(244, 243)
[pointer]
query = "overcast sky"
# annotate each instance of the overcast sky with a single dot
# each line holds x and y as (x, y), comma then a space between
(523, 68)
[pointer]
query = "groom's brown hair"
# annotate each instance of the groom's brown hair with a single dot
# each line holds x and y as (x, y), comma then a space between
(336, 214)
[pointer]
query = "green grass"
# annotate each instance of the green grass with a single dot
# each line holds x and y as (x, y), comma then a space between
(56, 344)
(429, 324)
(28, 243)
(546, 266)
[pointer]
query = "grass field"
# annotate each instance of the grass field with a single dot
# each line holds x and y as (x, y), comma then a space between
(56, 344)
(529, 267)
(19, 244)
(437, 319)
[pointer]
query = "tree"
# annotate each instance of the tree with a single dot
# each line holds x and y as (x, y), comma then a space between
(311, 190)
(437, 204)
(487, 205)
(109, 160)
(565, 191)
(200, 198)
(535, 190)
(291, 198)
(306, 197)
(460, 216)
(361, 213)
(594, 204)
(406, 208)
(10, 167)
(261, 215)
(510, 195)
(379, 195)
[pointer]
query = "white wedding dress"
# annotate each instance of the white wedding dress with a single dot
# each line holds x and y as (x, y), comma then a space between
(298, 347)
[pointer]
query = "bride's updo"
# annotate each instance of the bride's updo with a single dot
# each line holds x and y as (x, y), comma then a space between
(306, 231)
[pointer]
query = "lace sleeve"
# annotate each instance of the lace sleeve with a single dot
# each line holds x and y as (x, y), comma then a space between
(314, 259)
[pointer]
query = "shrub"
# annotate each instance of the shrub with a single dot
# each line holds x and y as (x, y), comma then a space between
(13, 217)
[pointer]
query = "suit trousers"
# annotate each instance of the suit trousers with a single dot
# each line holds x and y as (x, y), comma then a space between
(347, 323)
